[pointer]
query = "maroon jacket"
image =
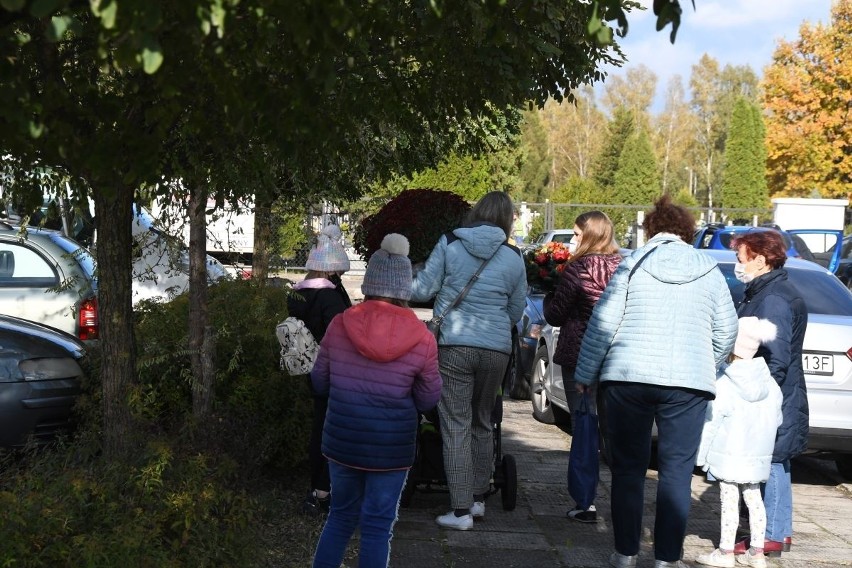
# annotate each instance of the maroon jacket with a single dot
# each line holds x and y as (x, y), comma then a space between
(570, 306)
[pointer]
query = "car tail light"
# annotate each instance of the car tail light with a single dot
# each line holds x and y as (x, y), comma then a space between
(87, 319)
(849, 353)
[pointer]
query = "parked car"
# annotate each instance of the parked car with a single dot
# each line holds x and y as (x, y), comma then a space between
(552, 235)
(48, 278)
(827, 357)
(40, 376)
(816, 245)
(844, 264)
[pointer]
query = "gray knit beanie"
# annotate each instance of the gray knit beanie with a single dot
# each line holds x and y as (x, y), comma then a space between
(389, 270)
(328, 255)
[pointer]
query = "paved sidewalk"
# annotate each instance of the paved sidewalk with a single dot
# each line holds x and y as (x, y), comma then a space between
(537, 533)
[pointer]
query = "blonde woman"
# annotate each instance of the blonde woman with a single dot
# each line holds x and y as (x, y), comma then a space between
(594, 258)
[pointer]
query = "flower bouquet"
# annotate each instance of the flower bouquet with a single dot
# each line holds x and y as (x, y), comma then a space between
(545, 265)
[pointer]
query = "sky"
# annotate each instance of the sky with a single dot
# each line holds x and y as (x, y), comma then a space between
(735, 32)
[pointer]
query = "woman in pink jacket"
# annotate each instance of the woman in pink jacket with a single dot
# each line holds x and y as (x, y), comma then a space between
(594, 258)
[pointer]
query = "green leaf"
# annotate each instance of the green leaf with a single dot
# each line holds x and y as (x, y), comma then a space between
(36, 129)
(44, 8)
(604, 36)
(106, 10)
(12, 5)
(151, 55)
(57, 28)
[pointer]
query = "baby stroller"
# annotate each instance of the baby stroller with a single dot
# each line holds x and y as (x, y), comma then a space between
(428, 468)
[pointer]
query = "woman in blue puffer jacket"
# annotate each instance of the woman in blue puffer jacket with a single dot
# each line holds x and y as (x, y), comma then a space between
(475, 344)
(665, 322)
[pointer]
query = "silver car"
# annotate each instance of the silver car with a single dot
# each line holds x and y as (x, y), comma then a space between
(48, 278)
(826, 358)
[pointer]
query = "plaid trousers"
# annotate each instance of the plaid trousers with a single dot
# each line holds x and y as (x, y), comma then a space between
(471, 379)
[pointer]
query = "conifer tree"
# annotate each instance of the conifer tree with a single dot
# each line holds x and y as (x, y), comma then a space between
(618, 131)
(744, 179)
(637, 181)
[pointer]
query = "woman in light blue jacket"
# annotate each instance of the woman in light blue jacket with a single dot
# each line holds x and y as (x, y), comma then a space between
(475, 344)
(665, 322)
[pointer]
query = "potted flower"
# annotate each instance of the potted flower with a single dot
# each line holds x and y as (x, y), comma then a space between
(545, 264)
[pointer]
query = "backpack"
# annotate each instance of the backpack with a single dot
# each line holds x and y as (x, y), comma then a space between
(298, 347)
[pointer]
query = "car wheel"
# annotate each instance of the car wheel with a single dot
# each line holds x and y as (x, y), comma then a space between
(844, 466)
(543, 410)
(519, 386)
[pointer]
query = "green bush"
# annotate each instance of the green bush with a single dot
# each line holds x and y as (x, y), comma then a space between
(261, 415)
(167, 507)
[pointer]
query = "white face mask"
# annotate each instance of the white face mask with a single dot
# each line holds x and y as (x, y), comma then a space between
(572, 244)
(741, 274)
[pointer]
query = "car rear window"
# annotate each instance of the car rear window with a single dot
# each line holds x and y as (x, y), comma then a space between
(78, 252)
(726, 237)
(823, 292)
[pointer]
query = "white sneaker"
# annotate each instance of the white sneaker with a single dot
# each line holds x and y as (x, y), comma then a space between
(675, 564)
(617, 560)
(717, 558)
(752, 559)
(451, 521)
(478, 509)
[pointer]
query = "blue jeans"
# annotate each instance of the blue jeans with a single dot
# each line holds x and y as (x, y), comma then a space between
(368, 498)
(778, 500)
(631, 410)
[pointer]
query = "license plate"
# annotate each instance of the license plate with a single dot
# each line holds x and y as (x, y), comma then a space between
(818, 364)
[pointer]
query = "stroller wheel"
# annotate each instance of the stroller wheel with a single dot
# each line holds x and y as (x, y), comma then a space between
(509, 488)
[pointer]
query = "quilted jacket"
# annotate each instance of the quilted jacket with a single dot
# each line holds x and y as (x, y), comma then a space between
(771, 296)
(494, 303)
(570, 306)
(739, 434)
(671, 325)
(379, 366)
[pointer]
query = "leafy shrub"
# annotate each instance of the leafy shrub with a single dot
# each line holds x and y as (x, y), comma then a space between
(261, 415)
(168, 506)
(422, 215)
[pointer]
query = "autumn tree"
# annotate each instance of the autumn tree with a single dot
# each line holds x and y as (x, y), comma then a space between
(744, 179)
(633, 90)
(575, 132)
(808, 98)
(673, 130)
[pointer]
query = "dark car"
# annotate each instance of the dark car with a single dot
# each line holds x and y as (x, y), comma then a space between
(40, 380)
(826, 358)
(844, 265)
(816, 245)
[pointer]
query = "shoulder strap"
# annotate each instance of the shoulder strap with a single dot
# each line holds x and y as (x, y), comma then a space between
(465, 290)
(644, 256)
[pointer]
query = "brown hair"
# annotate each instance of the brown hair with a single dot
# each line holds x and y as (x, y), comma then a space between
(667, 217)
(494, 207)
(597, 235)
(767, 243)
(394, 301)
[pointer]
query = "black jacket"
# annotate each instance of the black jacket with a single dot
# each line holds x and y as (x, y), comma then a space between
(771, 296)
(317, 307)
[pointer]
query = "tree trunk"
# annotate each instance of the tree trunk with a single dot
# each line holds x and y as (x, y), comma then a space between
(262, 238)
(115, 306)
(200, 333)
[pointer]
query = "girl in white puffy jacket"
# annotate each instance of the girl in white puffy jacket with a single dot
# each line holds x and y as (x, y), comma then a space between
(738, 438)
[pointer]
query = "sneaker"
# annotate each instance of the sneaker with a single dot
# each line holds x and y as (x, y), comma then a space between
(589, 515)
(315, 506)
(617, 560)
(752, 559)
(451, 521)
(717, 558)
(478, 509)
(675, 564)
